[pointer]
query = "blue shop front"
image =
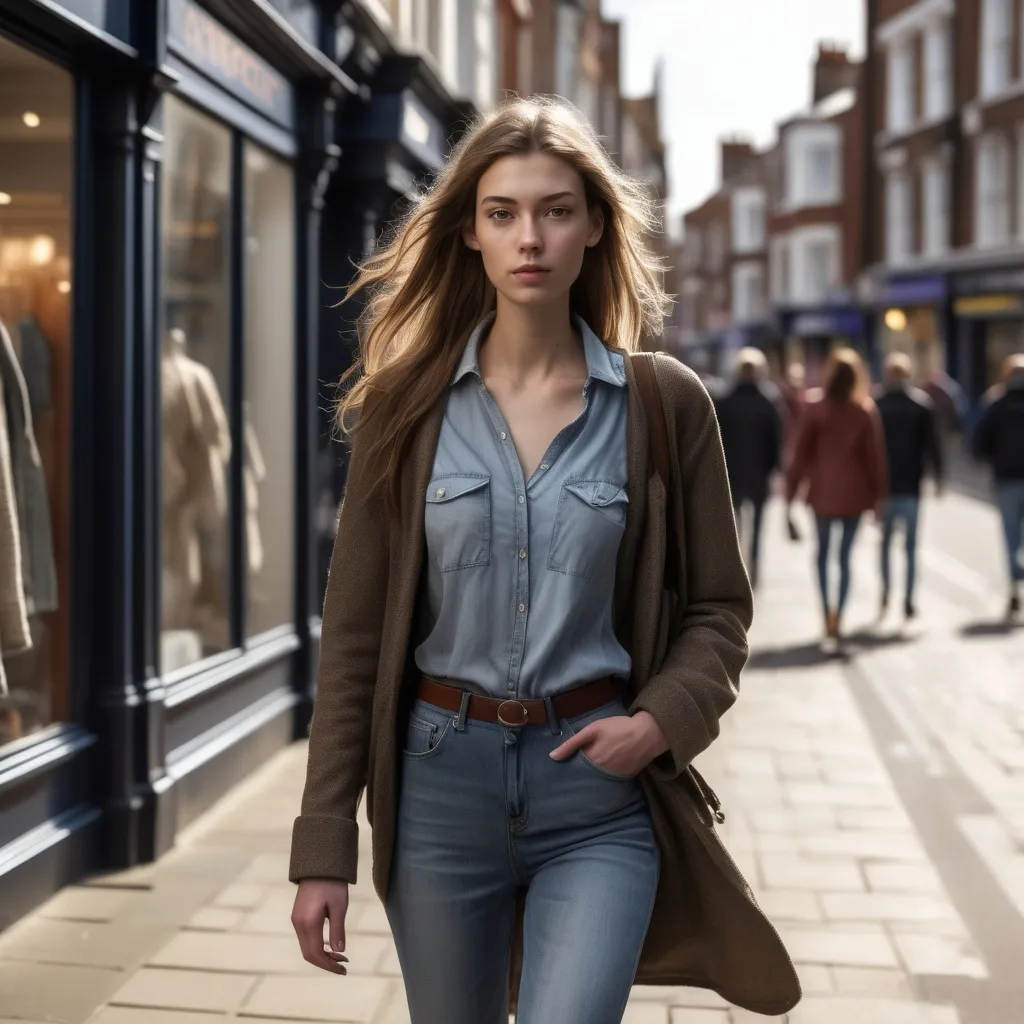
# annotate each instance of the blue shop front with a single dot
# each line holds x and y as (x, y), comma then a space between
(179, 183)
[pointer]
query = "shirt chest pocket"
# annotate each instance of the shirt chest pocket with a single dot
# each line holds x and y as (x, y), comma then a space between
(587, 530)
(458, 521)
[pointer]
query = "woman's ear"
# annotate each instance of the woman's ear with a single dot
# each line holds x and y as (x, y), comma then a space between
(596, 226)
(469, 235)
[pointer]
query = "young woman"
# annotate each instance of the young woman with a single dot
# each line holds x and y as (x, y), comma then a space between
(840, 456)
(494, 664)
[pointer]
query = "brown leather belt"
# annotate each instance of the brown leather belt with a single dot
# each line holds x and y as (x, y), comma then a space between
(579, 701)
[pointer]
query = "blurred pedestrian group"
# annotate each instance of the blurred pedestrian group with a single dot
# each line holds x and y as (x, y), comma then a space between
(850, 449)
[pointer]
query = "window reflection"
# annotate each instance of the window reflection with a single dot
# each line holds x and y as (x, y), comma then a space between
(35, 391)
(269, 407)
(195, 361)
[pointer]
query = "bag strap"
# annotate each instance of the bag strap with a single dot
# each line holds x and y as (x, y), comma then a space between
(657, 426)
(650, 395)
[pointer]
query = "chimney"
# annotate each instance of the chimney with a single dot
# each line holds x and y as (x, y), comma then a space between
(734, 154)
(833, 70)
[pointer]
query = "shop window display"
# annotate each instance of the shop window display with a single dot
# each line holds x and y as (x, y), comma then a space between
(35, 371)
(269, 405)
(195, 368)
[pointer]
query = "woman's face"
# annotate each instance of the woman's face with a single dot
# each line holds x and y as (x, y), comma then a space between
(532, 227)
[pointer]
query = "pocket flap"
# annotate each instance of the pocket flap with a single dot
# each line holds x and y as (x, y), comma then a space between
(598, 493)
(447, 488)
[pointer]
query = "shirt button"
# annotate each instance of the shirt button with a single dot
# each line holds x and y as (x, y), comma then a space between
(503, 435)
(522, 607)
(543, 465)
(521, 499)
(522, 552)
(440, 492)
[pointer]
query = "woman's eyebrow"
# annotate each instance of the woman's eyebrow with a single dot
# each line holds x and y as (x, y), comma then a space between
(508, 201)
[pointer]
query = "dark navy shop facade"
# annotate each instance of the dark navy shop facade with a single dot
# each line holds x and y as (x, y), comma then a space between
(182, 181)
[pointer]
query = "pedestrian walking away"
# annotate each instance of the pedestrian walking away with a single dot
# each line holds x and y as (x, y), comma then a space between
(913, 447)
(536, 611)
(752, 437)
(840, 461)
(999, 441)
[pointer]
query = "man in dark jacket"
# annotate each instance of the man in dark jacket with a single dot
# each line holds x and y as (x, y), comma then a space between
(999, 440)
(752, 437)
(913, 445)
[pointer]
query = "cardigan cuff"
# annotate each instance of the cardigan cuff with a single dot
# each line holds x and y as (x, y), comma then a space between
(324, 848)
(675, 711)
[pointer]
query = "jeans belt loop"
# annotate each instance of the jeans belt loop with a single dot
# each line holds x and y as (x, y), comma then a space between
(554, 724)
(460, 720)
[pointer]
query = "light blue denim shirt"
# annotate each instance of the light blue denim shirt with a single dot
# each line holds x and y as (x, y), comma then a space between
(520, 577)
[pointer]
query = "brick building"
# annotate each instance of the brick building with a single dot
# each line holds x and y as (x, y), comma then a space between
(770, 259)
(946, 203)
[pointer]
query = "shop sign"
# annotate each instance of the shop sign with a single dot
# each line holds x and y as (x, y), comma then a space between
(843, 323)
(990, 282)
(988, 305)
(912, 291)
(208, 46)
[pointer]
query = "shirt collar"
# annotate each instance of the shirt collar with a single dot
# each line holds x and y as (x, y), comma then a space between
(602, 362)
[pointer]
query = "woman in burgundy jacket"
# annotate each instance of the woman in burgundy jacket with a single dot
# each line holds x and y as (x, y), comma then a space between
(840, 456)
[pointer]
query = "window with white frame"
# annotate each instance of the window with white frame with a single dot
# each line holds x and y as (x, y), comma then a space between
(899, 218)
(938, 66)
(819, 268)
(900, 96)
(747, 292)
(996, 45)
(568, 28)
(992, 196)
(822, 172)
(936, 195)
(779, 269)
(748, 213)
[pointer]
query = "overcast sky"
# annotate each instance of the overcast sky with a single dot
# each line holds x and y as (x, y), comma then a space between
(730, 66)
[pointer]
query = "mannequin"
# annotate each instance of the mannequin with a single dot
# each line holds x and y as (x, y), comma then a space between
(196, 451)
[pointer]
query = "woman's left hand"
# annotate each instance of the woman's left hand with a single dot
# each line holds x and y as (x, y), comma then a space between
(625, 744)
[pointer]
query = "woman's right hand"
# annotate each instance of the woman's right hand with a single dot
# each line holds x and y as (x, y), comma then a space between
(317, 899)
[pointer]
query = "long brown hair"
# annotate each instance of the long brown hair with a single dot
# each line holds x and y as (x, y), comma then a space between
(846, 379)
(427, 289)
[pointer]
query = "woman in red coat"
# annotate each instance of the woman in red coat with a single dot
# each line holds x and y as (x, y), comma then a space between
(840, 456)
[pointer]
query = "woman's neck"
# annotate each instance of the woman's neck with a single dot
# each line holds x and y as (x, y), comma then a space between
(529, 343)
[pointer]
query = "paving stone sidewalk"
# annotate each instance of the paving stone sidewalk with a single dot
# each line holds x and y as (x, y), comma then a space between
(814, 820)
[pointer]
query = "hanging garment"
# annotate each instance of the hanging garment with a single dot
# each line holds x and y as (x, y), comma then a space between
(38, 568)
(14, 629)
(196, 450)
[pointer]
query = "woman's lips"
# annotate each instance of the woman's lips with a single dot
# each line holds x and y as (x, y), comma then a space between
(530, 275)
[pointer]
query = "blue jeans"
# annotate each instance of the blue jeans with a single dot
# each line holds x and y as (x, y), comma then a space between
(484, 811)
(849, 526)
(1010, 498)
(907, 509)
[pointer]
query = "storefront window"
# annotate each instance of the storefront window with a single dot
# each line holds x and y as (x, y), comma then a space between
(269, 406)
(35, 404)
(195, 368)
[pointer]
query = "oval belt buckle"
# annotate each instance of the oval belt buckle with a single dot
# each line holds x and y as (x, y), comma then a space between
(524, 714)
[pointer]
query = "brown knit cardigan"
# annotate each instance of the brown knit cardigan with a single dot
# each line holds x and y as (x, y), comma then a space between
(706, 929)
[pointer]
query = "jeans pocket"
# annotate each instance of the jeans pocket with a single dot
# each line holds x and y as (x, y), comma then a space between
(425, 732)
(616, 709)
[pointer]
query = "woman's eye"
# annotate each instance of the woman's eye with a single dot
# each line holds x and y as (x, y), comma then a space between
(559, 212)
(501, 215)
